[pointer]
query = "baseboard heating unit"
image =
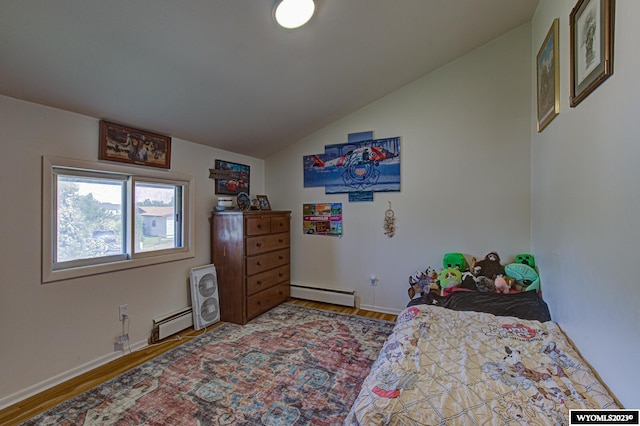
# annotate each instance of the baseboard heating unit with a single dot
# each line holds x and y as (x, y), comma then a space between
(337, 296)
(167, 325)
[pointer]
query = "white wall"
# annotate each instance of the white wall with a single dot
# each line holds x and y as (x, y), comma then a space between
(586, 205)
(465, 155)
(51, 331)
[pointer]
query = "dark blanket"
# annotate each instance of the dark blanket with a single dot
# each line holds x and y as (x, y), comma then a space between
(525, 305)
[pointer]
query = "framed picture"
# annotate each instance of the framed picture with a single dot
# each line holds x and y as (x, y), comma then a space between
(128, 145)
(592, 23)
(264, 202)
(237, 178)
(548, 78)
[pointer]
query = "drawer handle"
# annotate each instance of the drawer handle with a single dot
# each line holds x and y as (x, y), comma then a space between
(258, 264)
(259, 282)
(258, 245)
(258, 303)
(281, 274)
(280, 293)
(259, 226)
(280, 257)
(281, 241)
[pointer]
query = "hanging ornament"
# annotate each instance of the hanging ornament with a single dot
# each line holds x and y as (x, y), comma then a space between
(389, 222)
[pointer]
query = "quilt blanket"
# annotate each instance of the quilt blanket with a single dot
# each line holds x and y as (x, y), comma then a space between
(445, 367)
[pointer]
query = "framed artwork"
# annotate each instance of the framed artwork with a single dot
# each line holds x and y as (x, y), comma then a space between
(548, 78)
(237, 178)
(264, 202)
(322, 219)
(357, 166)
(592, 25)
(128, 145)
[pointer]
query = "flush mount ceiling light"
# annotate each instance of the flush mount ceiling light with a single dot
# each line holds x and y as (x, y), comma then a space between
(293, 13)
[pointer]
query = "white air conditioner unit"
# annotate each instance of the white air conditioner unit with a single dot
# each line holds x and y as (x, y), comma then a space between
(204, 296)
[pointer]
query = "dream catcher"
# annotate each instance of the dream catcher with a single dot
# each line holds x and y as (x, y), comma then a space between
(389, 222)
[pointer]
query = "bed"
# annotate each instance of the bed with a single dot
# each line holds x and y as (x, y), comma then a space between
(477, 359)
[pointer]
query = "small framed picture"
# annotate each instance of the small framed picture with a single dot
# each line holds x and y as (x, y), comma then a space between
(548, 78)
(128, 145)
(234, 178)
(591, 23)
(264, 202)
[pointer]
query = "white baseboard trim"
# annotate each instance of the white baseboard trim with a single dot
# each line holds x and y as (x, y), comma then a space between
(336, 296)
(380, 309)
(66, 375)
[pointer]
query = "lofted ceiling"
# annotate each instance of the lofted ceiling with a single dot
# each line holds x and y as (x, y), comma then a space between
(221, 73)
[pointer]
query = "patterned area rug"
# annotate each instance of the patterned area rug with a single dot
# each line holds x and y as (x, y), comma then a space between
(291, 366)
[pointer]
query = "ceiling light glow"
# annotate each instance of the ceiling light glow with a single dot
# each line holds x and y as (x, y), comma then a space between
(293, 13)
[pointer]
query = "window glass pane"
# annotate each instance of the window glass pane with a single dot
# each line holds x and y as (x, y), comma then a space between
(89, 217)
(158, 209)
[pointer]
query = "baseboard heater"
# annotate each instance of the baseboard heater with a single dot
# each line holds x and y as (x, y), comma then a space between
(170, 324)
(336, 296)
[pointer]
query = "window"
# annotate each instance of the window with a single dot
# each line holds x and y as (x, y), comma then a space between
(99, 218)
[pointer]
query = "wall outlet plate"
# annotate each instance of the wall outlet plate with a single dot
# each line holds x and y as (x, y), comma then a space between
(123, 312)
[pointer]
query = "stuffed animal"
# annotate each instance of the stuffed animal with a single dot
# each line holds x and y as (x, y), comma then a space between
(423, 282)
(485, 284)
(468, 281)
(432, 274)
(525, 276)
(502, 284)
(450, 277)
(454, 260)
(415, 288)
(526, 259)
(489, 267)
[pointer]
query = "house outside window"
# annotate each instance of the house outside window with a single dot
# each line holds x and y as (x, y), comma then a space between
(99, 218)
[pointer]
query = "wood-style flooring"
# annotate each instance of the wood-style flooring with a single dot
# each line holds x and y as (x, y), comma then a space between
(32, 406)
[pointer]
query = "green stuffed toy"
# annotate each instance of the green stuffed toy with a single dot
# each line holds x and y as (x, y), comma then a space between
(526, 259)
(450, 277)
(455, 260)
(524, 275)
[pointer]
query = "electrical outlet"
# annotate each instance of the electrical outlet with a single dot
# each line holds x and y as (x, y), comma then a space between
(123, 338)
(123, 312)
(373, 279)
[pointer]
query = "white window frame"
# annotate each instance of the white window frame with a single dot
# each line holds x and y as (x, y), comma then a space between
(100, 266)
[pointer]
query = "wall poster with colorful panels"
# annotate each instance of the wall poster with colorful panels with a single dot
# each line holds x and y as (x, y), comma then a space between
(322, 219)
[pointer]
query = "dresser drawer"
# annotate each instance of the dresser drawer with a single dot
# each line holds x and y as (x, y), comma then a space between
(265, 300)
(264, 243)
(280, 224)
(256, 283)
(258, 225)
(264, 262)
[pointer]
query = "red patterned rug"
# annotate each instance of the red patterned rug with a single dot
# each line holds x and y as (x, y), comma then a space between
(291, 366)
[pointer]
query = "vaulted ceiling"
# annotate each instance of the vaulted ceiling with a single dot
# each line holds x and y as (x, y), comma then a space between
(221, 72)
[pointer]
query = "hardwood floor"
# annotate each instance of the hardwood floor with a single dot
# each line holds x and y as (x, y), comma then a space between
(49, 398)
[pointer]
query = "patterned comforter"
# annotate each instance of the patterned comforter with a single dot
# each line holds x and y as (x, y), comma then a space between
(445, 367)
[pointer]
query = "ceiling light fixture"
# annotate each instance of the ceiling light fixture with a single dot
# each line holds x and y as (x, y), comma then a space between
(292, 14)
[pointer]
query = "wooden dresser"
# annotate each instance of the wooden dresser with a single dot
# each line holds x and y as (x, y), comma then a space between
(250, 250)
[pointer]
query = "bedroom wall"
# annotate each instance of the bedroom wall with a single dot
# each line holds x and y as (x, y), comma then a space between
(53, 331)
(585, 204)
(465, 134)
